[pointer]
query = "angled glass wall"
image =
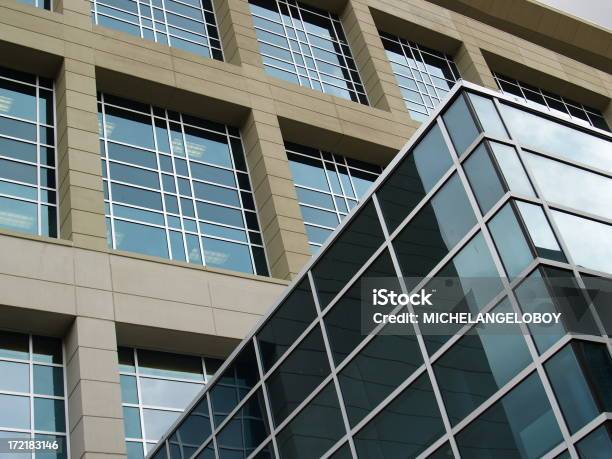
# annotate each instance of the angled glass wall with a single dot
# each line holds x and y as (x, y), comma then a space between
(28, 184)
(33, 393)
(184, 24)
(177, 187)
(328, 187)
(464, 200)
(306, 46)
(423, 75)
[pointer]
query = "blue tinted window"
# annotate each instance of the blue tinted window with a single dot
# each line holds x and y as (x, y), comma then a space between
(306, 46)
(207, 199)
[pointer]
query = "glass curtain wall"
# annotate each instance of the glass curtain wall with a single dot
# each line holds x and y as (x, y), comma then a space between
(464, 202)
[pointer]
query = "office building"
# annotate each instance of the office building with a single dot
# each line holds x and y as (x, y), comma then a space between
(169, 167)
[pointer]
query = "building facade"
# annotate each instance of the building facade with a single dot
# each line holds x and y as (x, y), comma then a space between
(168, 167)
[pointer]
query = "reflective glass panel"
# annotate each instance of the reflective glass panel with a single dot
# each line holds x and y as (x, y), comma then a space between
(388, 435)
(414, 177)
(287, 323)
(581, 376)
(508, 429)
(588, 242)
(460, 125)
(315, 429)
(298, 375)
(382, 365)
(571, 186)
(479, 364)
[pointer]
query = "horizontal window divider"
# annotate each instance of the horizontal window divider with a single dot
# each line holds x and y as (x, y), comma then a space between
(28, 394)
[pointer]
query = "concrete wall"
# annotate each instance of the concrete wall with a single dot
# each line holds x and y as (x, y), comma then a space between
(96, 299)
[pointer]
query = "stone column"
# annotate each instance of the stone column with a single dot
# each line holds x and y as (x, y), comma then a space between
(94, 393)
(81, 200)
(283, 228)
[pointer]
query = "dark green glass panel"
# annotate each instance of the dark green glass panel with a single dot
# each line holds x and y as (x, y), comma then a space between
(406, 427)
(286, 324)
(298, 375)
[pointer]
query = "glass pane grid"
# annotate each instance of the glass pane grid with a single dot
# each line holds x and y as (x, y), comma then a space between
(559, 105)
(28, 177)
(32, 390)
(328, 186)
(185, 24)
(424, 75)
(306, 46)
(472, 380)
(156, 392)
(179, 188)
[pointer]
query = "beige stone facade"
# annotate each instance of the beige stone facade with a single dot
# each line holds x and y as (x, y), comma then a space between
(94, 298)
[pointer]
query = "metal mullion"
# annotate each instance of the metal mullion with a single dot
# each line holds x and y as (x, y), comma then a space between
(65, 384)
(166, 120)
(344, 195)
(264, 391)
(139, 394)
(167, 33)
(193, 196)
(332, 366)
(31, 382)
(38, 184)
(108, 176)
(331, 190)
(282, 23)
(433, 447)
(299, 9)
(419, 337)
(216, 26)
(242, 209)
(506, 284)
(159, 175)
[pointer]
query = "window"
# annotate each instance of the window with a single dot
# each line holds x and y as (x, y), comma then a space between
(556, 104)
(28, 197)
(44, 4)
(424, 76)
(32, 390)
(177, 187)
(155, 389)
(306, 46)
(328, 186)
(184, 24)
